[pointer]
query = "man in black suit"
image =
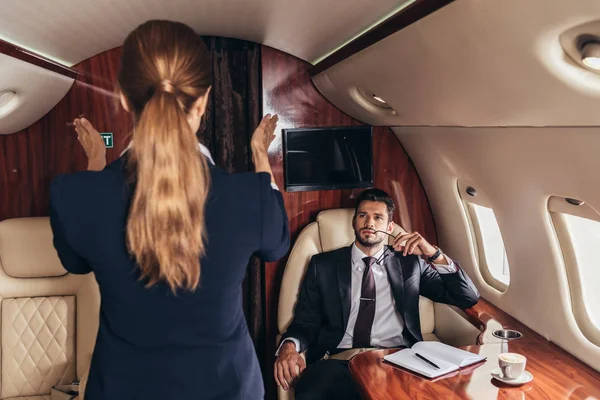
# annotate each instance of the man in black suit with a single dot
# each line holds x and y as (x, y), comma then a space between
(361, 296)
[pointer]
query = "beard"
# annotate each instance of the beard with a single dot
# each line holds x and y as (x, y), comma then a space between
(370, 241)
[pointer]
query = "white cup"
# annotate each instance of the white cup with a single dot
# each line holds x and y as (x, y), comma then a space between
(512, 365)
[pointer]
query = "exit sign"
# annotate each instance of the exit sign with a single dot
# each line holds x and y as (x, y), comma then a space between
(108, 139)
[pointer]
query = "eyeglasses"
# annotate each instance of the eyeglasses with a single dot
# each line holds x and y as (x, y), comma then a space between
(388, 249)
(389, 234)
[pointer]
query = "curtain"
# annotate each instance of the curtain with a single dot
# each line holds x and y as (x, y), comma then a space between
(233, 112)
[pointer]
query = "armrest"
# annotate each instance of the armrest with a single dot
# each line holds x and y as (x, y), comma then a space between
(453, 326)
(490, 318)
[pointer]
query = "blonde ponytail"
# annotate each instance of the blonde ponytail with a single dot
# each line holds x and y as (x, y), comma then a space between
(165, 70)
(166, 227)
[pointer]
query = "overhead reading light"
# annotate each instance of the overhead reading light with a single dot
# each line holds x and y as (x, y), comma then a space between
(582, 44)
(590, 54)
(379, 99)
(371, 102)
(6, 96)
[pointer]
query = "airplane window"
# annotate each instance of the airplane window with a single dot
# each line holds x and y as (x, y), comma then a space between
(585, 236)
(494, 254)
(486, 235)
(577, 229)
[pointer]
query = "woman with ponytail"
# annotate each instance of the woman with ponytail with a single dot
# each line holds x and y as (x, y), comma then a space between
(167, 234)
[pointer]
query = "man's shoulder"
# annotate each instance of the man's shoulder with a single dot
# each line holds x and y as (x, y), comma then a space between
(332, 255)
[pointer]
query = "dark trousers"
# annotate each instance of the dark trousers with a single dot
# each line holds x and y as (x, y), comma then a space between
(326, 380)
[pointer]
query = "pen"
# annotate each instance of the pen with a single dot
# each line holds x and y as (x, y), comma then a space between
(426, 360)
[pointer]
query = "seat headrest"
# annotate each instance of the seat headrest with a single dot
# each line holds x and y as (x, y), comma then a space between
(335, 228)
(26, 249)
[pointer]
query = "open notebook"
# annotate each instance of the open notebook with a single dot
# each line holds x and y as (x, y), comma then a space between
(448, 358)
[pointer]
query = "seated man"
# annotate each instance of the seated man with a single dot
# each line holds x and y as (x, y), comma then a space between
(364, 295)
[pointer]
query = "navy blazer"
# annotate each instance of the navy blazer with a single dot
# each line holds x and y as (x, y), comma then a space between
(152, 344)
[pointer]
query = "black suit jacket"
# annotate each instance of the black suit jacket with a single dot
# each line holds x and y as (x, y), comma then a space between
(323, 308)
(151, 344)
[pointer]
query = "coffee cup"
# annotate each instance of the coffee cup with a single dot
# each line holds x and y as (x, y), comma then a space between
(512, 365)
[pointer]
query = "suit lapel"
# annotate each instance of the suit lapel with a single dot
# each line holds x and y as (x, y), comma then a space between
(393, 266)
(343, 266)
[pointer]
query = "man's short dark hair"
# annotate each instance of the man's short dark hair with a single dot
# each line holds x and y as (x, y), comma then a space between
(376, 195)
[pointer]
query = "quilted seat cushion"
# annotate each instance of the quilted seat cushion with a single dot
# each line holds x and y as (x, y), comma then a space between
(38, 345)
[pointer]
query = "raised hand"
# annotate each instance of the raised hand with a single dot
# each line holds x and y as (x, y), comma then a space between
(92, 144)
(262, 138)
(264, 135)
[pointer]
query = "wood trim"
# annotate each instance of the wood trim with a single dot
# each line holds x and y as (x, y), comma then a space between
(30, 57)
(487, 318)
(403, 18)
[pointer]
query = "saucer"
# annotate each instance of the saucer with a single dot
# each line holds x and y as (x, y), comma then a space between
(524, 378)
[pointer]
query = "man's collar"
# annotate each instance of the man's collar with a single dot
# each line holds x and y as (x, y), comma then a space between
(203, 149)
(358, 255)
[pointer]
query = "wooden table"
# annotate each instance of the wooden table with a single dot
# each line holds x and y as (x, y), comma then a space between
(556, 374)
(382, 381)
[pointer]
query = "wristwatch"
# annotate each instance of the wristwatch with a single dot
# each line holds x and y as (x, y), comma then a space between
(435, 255)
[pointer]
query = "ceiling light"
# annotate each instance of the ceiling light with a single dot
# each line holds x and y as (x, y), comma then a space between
(379, 99)
(6, 96)
(371, 102)
(590, 54)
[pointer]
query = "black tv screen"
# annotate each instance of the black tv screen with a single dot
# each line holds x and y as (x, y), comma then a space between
(328, 158)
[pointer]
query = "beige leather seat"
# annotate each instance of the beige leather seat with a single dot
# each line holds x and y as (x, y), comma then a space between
(332, 230)
(49, 317)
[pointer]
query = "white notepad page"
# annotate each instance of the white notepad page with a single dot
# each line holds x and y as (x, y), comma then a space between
(446, 357)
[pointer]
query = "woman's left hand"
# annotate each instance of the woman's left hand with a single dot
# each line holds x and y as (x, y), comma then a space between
(92, 144)
(264, 135)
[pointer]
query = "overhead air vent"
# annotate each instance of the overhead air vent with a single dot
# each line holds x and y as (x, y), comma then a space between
(371, 101)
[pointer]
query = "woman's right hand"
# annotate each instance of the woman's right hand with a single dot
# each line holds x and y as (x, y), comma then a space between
(92, 144)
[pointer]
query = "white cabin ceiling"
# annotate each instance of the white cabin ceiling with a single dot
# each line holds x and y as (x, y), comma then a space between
(71, 31)
(475, 63)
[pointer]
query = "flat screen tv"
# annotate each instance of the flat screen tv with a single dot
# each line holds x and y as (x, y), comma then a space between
(327, 158)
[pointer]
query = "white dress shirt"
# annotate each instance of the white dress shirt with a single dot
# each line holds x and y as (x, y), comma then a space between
(204, 150)
(387, 324)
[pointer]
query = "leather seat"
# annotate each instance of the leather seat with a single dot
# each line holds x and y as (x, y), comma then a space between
(49, 317)
(332, 230)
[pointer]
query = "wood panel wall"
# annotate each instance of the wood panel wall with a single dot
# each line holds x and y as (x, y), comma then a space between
(29, 159)
(289, 92)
